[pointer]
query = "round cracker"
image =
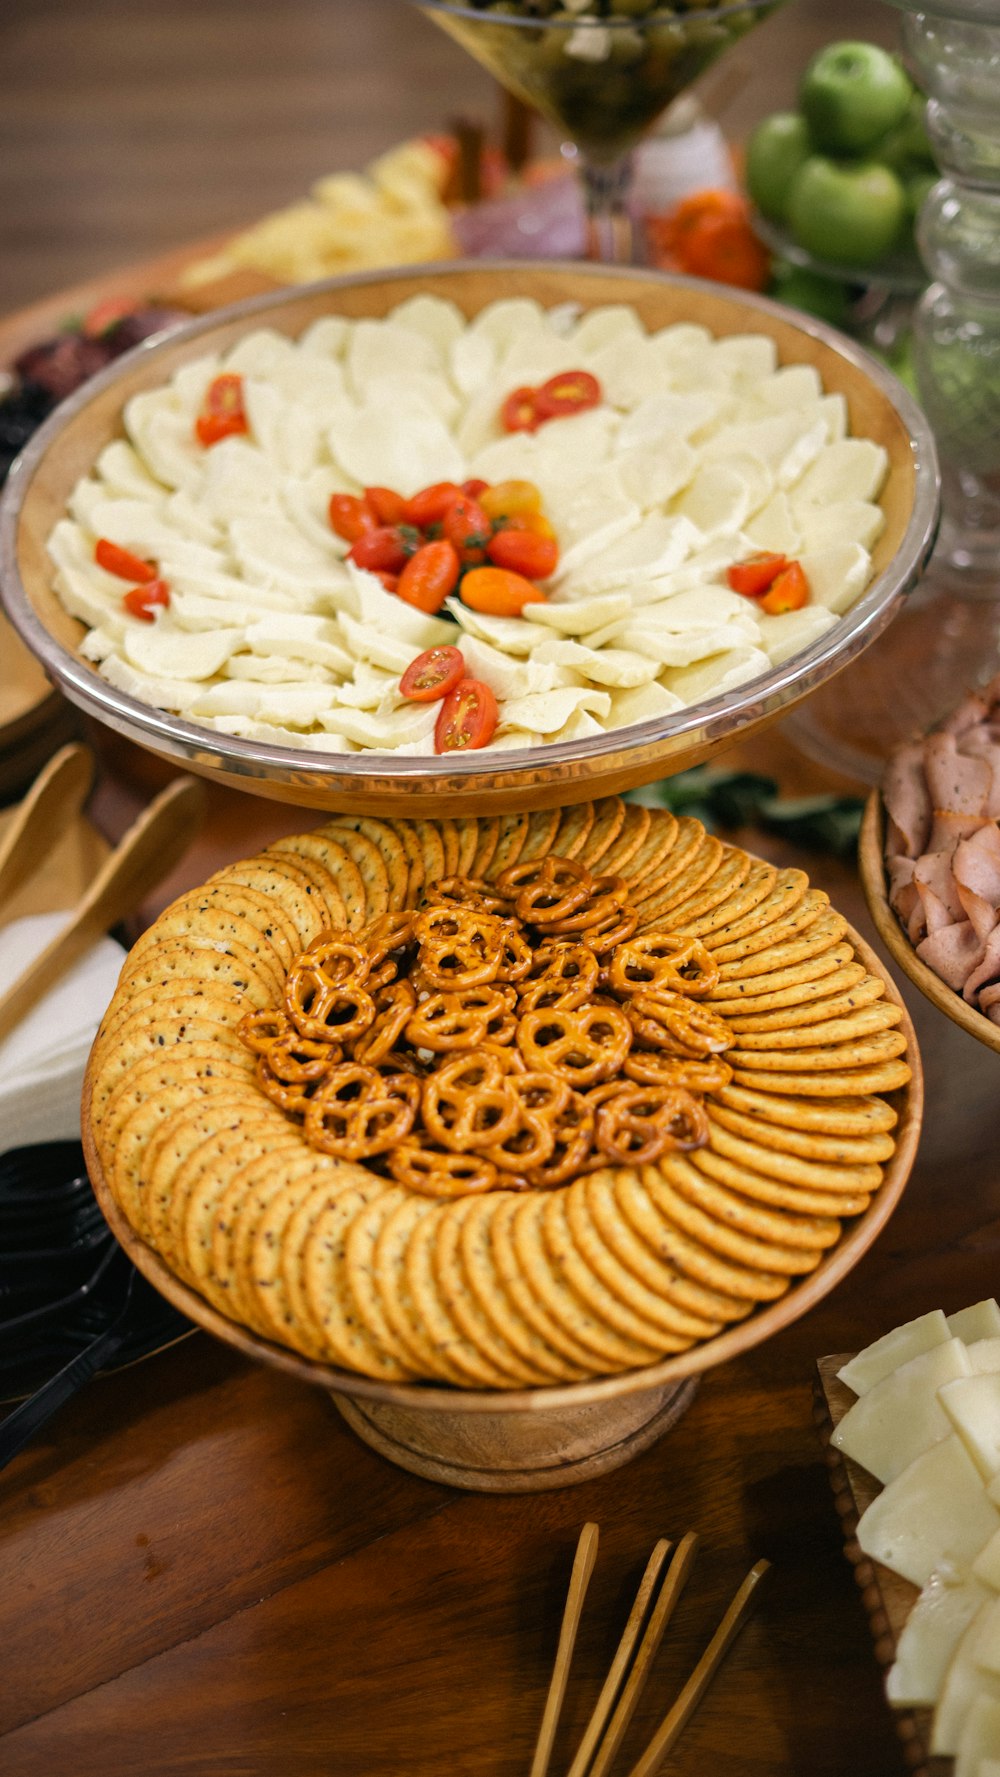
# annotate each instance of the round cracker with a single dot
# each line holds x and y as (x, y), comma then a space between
(681, 1195)
(281, 876)
(865, 1081)
(800, 918)
(510, 1271)
(487, 840)
(840, 1005)
(444, 1332)
(634, 829)
(607, 1308)
(450, 842)
(278, 1164)
(837, 1150)
(513, 833)
(855, 1028)
(800, 987)
(205, 1170)
(432, 850)
(414, 857)
(278, 1242)
(640, 1247)
(461, 1303)
(748, 893)
(785, 894)
(478, 1261)
(468, 840)
(852, 1115)
(575, 824)
(332, 865)
(539, 841)
(389, 844)
(752, 1160)
(207, 922)
(346, 1340)
(790, 975)
(550, 1286)
(823, 933)
(655, 1307)
(609, 818)
(198, 960)
(653, 864)
(702, 859)
(430, 1350)
(650, 1215)
(762, 1188)
(714, 892)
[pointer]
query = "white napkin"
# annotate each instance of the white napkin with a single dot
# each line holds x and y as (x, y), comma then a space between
(43, 1060)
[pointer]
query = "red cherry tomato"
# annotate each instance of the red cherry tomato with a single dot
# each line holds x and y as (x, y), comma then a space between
(222, 415)
(143, 600)
(468, 718)
(475, 487)
(388, 506)
(499, 593)
(519, 412)
(389, 581)
(572, 391)
(388, 546)
(789, 591)
(431, 503)
(467, 526)
(754, 576)
(433, 674)
(105, 315)
(524, 551)
(726, 249)
(430, 575)
(350, 517)
(115, 560)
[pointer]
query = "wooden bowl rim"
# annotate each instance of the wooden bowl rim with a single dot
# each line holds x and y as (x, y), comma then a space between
(433, 1397)
(871, 860)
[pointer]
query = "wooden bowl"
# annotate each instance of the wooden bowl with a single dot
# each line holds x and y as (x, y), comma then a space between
(526, 1440)
(871, 858)
(67, 446)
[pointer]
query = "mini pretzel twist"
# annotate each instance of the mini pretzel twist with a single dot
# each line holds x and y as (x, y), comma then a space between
(660, 1067)
(459, 947)
(468, 1103)
(296, 1059)
(321, 1010)
(293, 1096)
(586, 1046)
(640, 1123)
(659, 960)
(546, 889)
(394, 1006)
(541, 1099)
(563, 974)
(462, 1020)
(358, 1112)
(666, 1020)
(604, 938)
(258, 1030)
(436, 1173)
(604, 905)
(573, 1152)
(386, 939)
(469, 892)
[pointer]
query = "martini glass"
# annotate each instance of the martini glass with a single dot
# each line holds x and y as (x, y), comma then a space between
(602, 78)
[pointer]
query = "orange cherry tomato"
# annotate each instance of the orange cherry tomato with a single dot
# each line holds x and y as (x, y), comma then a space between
(467, 526)
(388, 547)
(524, 551)
(498, 592)
(468, 718)
(754, 576)
(510, 499)
(432, 674)
(388, 506)
(519, 412)
(430, 575)
(670, 232)
(350, 517)
(572, 391)
(222, 415)
(726, 249)
(788, 592)
(115, 560)
(143, 600)
(431, 503)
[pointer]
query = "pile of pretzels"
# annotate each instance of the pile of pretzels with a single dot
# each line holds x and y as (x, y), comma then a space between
(509, 1034)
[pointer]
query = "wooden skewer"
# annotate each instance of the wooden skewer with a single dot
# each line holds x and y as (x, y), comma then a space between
(52, 803)
(151, 847)
(612, 1684)
(663, 1610)
(677, 1718)
(583, 1567)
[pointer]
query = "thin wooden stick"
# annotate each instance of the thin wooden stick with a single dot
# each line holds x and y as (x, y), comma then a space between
(677, 1718)
(583, 1567)
(612, 1684)
(663, 1610)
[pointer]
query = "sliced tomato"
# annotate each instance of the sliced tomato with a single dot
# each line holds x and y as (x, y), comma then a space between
(519, 412)
(431, 503)
(388, 547)
(468, 718)
(433, 674)
(115, 560)
(467, 526)
(572, 391)
(524, 550)
(223, 414)
(430, 575)
(789, 591)
(143, 600)
(388, 506)
(350, 517)
(498, 592)
(754, 576)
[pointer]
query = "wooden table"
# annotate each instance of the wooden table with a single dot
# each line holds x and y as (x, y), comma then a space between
(202, 1570)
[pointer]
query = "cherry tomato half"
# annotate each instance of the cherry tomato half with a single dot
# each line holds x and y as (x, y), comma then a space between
(572, 391)
(143, 600)
(754, 576)
(510, 499)
(387, 547)
(430, 575)
(524, 551)
(222, 415)
(433, 674)
(350, 517)
(388, 506)
(467, 526)
(498, 592)
(468, 718)
(519, 412)
(431, 503)
(115, 560)
(789, 591)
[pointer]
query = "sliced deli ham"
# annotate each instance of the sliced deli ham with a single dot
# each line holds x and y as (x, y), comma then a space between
(953, 953)
(907, 798)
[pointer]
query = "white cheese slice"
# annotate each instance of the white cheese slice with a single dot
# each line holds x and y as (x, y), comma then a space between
(973, 1406)
(168, 652)
(979, 1737)
(577, 617)
(964, 1680)
(986, 1566)
(895, 1348)
(843, 521)
(852, 469)
(981, 1321)
(935, 1513)
(788, 634)
(901, 1416)
(837, 575)
(984, 1356)
(717, 674)
(931, 1634)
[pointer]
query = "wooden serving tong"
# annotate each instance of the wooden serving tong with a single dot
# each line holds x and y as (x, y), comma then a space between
(154, 843)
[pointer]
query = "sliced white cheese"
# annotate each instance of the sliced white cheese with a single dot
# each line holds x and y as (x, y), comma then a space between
(973, 1406)
(964, 1681)
(984, 1356)
(986, 1566)
(979, 1737)
(886, 1354)
(852, 469)
(935, 1513)
(981, 1321)
(931, 1634)
(901, 1416)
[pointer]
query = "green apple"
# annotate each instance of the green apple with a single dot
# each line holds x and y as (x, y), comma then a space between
(810, 292)
(775, 152)
(906, 147)
(851, 94)
(850, 213)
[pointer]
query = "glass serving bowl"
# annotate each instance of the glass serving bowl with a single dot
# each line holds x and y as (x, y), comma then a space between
(602, 80)
(480, 782)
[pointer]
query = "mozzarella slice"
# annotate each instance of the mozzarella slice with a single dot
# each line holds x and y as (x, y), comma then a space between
(901, 1416)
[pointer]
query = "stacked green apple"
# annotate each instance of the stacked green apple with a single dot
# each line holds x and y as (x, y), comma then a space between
(847, 172)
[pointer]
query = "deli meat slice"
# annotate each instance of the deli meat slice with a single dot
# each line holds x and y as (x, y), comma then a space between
(987, 971)
(958, 783)
(954, 953)
(907, 798)
(977, 878)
